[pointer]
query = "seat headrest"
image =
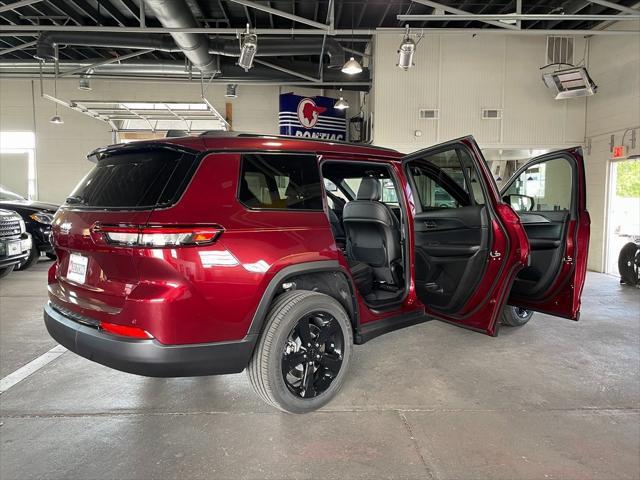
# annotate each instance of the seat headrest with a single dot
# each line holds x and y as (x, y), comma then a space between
(369, 189)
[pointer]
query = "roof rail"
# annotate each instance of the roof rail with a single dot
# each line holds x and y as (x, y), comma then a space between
(225, 134)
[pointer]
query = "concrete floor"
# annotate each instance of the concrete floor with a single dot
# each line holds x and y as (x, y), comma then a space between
(554, 399)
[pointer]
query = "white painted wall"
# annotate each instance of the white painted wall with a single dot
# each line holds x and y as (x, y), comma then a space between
(460, 75)
(61, 149)
(614, 64)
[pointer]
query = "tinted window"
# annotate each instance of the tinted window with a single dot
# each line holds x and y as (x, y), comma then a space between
(544, 186)
(446, 180)
(140, 179)
(285, 182)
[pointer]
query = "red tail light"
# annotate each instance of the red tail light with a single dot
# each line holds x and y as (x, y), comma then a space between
(155, 236)
(125, 331)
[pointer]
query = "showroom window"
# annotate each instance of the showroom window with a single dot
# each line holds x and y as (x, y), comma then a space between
(281, 182)
(18, 162)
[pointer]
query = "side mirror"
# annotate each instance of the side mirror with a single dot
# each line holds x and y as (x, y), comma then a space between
(329, 186)
(520, 203)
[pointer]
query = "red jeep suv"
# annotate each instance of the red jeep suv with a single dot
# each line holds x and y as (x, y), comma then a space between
(208, 255)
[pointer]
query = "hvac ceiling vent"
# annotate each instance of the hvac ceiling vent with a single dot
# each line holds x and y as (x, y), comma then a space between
(559, 50)
(491, 114)
(570, 83)
(428, 114)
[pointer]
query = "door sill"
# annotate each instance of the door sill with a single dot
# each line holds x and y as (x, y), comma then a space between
(372, 330)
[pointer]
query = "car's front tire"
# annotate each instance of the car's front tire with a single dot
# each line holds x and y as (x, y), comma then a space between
(6, 271)
(32, 259)
(515, 316)
(303, 354)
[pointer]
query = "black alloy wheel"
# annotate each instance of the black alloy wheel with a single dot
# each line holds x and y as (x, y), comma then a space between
(312, 356)
(515, 316)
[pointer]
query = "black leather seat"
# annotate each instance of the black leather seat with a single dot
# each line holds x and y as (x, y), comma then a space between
(373, 232)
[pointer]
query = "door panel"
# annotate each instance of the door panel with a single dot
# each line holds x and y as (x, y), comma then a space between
(557, 225)
(451, 253)
(468, 245)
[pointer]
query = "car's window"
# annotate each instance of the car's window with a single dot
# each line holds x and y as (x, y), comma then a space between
(347, 176)
(280, 181)
(446, 179)
(135, 179)
(389, 195)
(543, 187)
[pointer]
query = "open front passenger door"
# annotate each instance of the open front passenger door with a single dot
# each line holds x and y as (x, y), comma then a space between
(467, 244)
(548, 194)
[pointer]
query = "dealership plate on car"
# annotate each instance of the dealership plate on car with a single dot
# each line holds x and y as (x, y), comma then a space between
(77, 270)
(13, 248)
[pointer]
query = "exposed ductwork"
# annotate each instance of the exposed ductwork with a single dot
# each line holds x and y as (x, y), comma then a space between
(177, 14)
(283, 48)
(45, 48)
(141, 69)
(269, 47)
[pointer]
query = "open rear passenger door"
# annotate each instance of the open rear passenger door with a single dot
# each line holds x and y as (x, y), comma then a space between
(467, 245)
(548, 194)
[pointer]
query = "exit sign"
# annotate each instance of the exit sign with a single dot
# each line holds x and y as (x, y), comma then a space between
(619, 151)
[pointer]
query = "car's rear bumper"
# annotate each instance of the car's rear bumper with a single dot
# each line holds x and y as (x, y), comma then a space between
(148, 357)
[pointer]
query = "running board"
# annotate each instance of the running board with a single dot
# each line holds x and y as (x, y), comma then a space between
(372, 330)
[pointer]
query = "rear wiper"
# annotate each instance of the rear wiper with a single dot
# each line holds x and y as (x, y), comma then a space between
(75, 199)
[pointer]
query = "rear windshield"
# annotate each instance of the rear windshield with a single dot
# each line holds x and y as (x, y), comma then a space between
(141, 179)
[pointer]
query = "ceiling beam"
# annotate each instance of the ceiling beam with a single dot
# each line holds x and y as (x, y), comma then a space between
(515, 16)
(457, 11)
(280, 13)
(113, 12)
(286, 70)
(14, 5)
(106, 62)
(22, 46)
(30, 30)
(615, 6)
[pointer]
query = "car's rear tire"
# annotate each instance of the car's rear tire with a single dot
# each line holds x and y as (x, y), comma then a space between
(6, 271)
(515, 316)
(51, 256)
(32, 259)
(290, 375)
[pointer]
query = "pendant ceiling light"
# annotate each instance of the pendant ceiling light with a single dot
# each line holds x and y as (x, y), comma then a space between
(352, 66)
(341, 104)
(56, 119)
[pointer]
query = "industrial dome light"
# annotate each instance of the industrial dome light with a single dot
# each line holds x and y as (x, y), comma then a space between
(352, 67)
(57, 119)
(405, 51)
(341, 104)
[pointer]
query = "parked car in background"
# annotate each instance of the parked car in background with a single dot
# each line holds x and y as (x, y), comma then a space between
(208, 255)
(37, 217)
(15, 242)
